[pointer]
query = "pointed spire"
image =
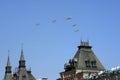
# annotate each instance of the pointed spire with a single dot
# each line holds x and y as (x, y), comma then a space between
(8, 72)
(8, 66)
(22, 55)
(22, 60)
(8, 61)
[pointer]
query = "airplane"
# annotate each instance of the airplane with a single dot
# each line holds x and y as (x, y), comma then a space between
(68, 18)
(37, 24)
(54, 21)
(74, 25)
(76, 30)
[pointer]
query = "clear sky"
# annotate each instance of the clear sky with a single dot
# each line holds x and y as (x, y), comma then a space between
(50, 40)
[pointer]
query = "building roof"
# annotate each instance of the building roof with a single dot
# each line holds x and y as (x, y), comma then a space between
(22, 73)
(84, 56)
(84, 59)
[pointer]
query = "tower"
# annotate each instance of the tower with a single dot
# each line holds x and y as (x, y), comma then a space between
(22, 60)
(8, 72)
(84, 64)
(22, 73)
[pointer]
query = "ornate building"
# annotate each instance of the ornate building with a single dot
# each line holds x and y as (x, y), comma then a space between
(21, 73)
(83, 66)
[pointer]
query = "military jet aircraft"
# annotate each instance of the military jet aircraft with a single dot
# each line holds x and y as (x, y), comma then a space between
(53, 21)
(74, 25)
(37, 24)
(76, 30)
(68, 18)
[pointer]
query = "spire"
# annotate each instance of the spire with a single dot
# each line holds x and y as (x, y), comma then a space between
(8, 61)
(22, 60)
(22, 55)
(8, 66)
(8, 72)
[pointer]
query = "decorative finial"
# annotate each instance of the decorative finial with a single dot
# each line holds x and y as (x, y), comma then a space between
(8, 52)
(22, 46)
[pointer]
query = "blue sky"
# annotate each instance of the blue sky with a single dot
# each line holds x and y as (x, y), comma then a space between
(49, 45)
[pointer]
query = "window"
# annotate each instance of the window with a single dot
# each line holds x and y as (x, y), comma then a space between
(23, 77)
(87, 63)
(93, 63)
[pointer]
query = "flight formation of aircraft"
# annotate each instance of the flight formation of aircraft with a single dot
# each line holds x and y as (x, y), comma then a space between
(68, 19)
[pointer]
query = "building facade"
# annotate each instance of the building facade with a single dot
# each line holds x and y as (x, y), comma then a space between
(83, 66)
(21, 72)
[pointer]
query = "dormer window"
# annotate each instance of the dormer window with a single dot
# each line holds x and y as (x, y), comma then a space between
(93, 64)
(87, 63)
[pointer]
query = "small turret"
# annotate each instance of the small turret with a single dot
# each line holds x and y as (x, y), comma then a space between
(8, 72)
